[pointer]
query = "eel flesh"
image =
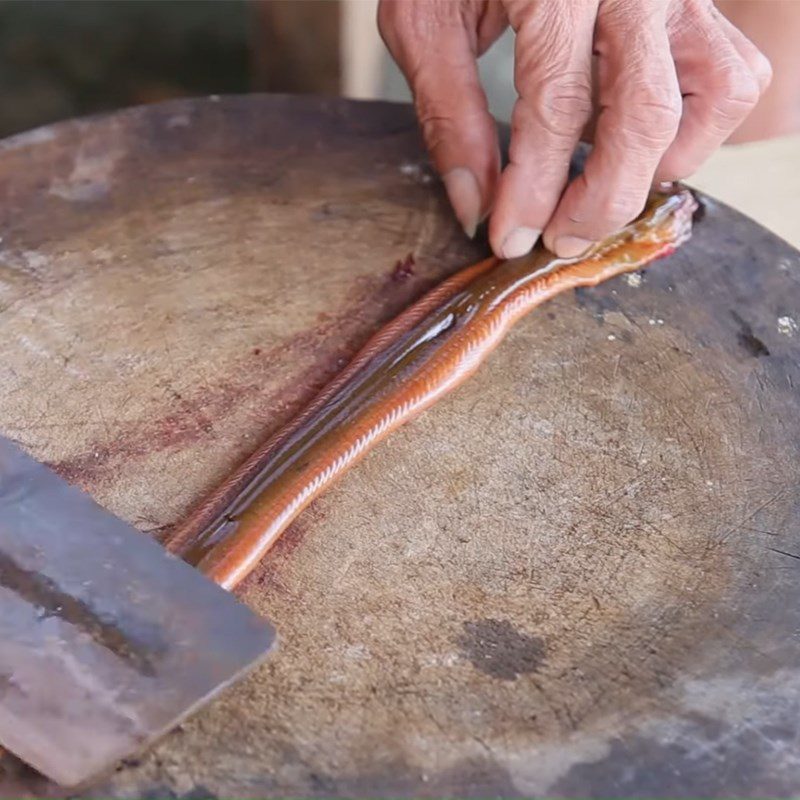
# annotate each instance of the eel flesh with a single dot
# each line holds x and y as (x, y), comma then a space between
(428, 350)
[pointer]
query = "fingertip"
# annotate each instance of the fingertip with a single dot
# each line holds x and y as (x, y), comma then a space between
(519, 242)
(521, 210)
(567, 246)
(509, 237)
(465, 197)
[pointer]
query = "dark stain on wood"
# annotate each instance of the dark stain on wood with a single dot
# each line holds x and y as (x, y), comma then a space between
(747, 339)
(597, 303)
(496, 647)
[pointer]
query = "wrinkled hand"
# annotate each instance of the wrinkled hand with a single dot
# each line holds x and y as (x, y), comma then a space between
(664, 81)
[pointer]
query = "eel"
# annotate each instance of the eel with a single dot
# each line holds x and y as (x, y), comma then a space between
(409, 364)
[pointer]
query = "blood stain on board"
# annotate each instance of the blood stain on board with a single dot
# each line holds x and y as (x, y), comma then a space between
(192, 417)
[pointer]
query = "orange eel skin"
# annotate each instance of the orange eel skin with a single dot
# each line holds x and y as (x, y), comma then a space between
(432, 347)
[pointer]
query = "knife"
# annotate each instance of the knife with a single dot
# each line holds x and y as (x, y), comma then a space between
(106, 640)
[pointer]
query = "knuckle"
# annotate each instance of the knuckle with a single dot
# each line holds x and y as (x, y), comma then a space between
(737, 89)
(434, 104)
(437, 129)
(391, 20)
(650, 107)
(552, 74)
(566, 102)
(427, 109)
(762, 69)
(416, 26)
(619, 209)
(651, 117)
(436, 142)
(436, 123)
(435, 133)
(442, 127)
(560, 105)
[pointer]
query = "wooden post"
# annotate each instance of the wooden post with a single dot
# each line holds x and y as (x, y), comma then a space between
(296, 46)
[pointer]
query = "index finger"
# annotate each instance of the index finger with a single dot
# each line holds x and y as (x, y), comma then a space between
(552, 74)
(640, 113)
(434, 50)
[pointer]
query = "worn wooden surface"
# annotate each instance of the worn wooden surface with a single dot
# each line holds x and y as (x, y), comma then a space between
(575, 576)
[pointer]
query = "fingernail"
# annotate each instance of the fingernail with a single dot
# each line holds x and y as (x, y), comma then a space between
(665, 186)
(571, 246)
(465, 197)
(520, 242)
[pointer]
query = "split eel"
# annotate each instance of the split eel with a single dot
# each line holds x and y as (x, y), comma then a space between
(427, 351)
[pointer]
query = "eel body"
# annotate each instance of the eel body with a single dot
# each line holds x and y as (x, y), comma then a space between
(409, 364)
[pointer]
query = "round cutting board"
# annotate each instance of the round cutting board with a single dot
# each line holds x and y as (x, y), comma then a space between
(575, 576)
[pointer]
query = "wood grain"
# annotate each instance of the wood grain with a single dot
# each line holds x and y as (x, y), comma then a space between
(590, 590)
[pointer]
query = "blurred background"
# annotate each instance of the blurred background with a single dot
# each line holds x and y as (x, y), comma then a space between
(65, 58)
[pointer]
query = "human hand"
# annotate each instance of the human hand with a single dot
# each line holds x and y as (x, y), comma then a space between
(672, 80)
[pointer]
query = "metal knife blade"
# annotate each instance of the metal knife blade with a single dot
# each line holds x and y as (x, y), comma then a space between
(106, 640)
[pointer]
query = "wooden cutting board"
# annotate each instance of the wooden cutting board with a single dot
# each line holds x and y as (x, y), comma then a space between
(576, 576)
